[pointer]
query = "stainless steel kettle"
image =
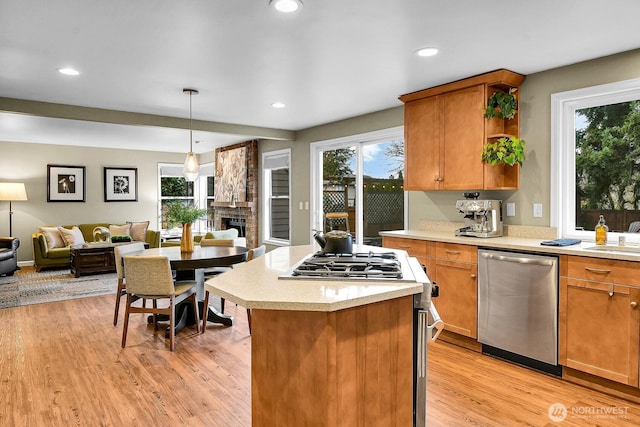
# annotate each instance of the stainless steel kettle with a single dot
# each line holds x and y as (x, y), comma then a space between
(334, 242)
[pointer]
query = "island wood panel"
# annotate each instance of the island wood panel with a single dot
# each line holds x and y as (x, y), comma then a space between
(345, 368)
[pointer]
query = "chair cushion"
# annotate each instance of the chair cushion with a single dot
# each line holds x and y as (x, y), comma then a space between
(231, 233)
(139, 230)
(58, 253)
(72, 237)
(53, 237)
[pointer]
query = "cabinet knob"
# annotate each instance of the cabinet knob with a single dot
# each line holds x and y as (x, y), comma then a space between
(473, 276)
(634, 304)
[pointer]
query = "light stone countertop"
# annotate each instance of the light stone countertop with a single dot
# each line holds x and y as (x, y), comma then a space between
(525, 244)
(256, 285)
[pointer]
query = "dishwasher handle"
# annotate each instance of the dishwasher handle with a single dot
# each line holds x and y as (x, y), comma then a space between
(518, 259)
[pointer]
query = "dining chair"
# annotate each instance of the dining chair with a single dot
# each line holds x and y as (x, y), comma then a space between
(214, 271)
(252, 254)
(119, 252)
(150, 277)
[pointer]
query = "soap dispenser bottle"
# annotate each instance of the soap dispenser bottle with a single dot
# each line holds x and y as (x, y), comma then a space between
(601, 232)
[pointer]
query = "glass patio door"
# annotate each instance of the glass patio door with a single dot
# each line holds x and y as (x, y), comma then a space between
(363, 178)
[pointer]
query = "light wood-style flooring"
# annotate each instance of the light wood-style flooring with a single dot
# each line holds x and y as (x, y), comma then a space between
(61, 364)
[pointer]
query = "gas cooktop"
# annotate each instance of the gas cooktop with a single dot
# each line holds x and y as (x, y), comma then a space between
(357, 266)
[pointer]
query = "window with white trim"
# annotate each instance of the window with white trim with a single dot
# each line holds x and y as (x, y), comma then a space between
(595, 160)
(276, 190)
(173, 186)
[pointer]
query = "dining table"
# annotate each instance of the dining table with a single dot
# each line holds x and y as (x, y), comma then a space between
(190, 266)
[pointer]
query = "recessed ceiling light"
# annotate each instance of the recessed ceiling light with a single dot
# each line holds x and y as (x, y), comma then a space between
(286, 6)
(426, 51)
(68, 71)
(278, 105)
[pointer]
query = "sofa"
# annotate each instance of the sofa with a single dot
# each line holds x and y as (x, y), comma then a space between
(8, 255)
(51, 249)
(227, 237)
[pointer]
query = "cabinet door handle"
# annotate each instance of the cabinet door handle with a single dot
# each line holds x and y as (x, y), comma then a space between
(438, 179)
(473, 276)
(597, 270)
(634, 304)
(449, 251)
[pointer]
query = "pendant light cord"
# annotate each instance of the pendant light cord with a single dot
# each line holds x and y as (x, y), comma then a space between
(190, 125)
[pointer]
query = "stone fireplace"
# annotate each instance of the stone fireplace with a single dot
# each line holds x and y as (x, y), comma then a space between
(240, 214)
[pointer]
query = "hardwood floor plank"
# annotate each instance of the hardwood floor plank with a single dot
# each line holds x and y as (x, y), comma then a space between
(61, 364)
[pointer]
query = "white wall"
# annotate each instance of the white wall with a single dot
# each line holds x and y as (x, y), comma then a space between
(20, 162)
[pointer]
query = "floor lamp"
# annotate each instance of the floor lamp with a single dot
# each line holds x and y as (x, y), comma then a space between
(12, 191)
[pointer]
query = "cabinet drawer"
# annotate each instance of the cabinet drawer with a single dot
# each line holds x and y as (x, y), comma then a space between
(603, 270)
(415, 247)
(456, 252)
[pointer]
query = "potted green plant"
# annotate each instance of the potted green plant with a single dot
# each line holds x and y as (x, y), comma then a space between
(184, 214)
(507, 150)
(503, 105)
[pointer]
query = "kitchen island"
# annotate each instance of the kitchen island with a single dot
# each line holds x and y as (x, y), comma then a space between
(324, 352)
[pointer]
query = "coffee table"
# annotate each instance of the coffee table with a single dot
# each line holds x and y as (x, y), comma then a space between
(94, 258)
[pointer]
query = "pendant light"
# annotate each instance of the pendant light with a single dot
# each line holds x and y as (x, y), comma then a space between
(191, 167)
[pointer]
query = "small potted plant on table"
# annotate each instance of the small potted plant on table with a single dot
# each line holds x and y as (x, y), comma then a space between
(180, 213)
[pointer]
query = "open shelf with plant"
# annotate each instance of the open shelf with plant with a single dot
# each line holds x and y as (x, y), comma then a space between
(503, 152)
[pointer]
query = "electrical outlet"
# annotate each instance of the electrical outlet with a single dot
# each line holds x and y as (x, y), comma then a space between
(511, 209)
(537, 210)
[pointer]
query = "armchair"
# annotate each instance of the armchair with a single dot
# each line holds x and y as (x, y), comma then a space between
(8, 255)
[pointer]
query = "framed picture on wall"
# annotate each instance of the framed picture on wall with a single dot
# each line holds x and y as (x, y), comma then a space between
(66, 183)
(120, 184)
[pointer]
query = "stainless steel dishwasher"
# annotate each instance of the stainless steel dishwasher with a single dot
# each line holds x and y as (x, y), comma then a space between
(518, 307)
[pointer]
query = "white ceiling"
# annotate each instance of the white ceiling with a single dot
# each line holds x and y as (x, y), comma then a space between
(331, 60)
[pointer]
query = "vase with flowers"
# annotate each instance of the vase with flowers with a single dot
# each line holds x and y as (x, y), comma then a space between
(184, 214)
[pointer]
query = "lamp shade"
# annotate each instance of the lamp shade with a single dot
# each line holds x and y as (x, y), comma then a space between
(12, 191)
(191, 167)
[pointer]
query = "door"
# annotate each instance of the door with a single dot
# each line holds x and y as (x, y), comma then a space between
(363, 178)
(423, 142)
(601, 331)
(463, 139)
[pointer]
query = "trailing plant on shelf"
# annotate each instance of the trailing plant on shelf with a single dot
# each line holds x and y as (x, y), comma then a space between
(507, 150)
(503, 105)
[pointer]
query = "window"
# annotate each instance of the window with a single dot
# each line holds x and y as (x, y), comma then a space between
(595, 159)
(173, 186)
(276, 190)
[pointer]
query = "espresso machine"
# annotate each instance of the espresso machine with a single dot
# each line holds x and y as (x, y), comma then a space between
(482, 218)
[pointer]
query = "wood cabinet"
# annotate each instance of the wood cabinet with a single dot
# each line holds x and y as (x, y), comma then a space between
(445, 131)
(600, 318)
(455, 270)
(445, 135)
(454, 267)
(421, 249)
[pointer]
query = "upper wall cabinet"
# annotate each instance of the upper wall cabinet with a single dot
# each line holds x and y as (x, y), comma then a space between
(445, 131)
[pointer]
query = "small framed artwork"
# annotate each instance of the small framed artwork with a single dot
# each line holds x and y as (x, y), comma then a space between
(120, 184)
(66, 183)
